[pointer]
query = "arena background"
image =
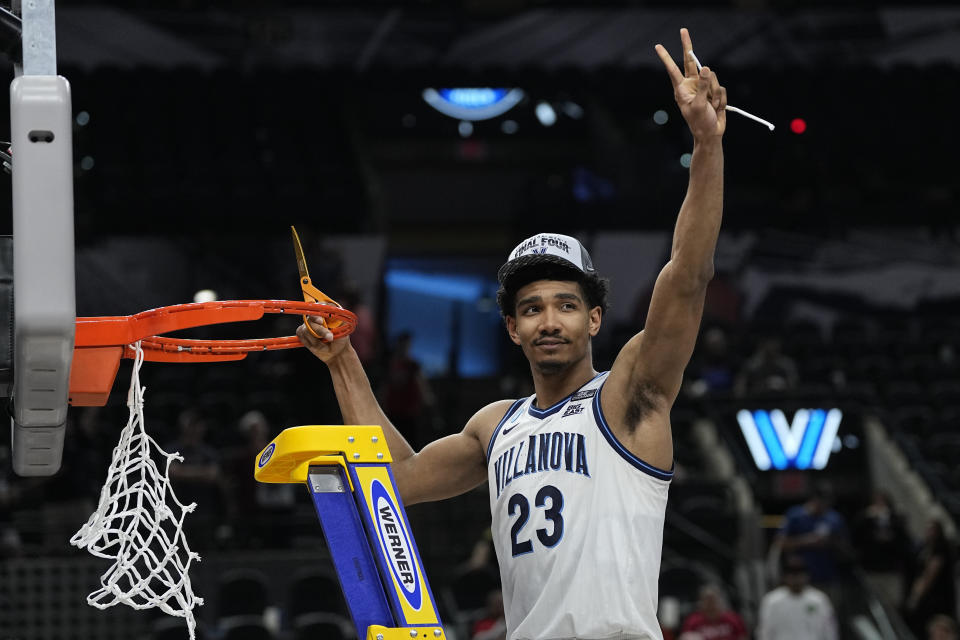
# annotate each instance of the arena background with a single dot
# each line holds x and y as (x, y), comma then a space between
(203, 130)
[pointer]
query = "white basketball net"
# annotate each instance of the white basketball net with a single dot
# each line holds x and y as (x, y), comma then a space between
(139, 524)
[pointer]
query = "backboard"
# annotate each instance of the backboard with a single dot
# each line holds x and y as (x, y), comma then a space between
(44, 307)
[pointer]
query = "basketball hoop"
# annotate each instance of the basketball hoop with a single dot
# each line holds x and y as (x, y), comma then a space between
(101, 342)
(138, 522)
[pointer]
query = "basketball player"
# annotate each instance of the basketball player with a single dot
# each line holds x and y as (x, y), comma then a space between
(578, 473)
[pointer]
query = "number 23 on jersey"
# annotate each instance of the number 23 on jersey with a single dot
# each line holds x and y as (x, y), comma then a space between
(548, 498)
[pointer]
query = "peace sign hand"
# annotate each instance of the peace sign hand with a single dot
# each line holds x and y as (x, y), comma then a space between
(701, 99)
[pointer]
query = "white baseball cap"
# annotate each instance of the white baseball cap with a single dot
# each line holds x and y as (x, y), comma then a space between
(543, 248)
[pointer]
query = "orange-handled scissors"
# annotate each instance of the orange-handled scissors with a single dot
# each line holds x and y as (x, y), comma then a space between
(310, 292)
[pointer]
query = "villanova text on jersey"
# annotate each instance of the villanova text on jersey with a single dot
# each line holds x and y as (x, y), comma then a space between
(542, 452)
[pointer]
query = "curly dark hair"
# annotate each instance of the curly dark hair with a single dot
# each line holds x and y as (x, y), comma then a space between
(595, 288)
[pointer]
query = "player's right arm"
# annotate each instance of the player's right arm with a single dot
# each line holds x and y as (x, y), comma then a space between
(444, 468)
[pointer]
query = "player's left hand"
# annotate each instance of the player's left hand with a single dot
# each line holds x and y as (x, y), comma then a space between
(701, 99)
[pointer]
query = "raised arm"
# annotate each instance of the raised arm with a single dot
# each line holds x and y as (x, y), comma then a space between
(646, 376)
(444, 468)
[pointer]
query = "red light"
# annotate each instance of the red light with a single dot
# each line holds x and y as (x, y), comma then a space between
(798, 125)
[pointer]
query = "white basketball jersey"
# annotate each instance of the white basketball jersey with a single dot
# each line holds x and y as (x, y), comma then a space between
(577, 523)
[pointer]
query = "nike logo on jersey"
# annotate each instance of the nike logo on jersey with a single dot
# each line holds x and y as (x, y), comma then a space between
(516, 416)
(542, 452)
(572, 410)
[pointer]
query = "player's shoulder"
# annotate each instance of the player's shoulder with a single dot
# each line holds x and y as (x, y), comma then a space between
(493, 412)
(776, 595)
(484, 421)
(813, 594)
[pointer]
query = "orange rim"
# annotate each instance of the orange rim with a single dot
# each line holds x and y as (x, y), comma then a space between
(218, 347)
(101, 342)
(104, 331)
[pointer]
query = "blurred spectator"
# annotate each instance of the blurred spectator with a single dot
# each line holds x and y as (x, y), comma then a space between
(710, 369)
(942, 627)
(476, 578)
(493, 624)
(768, 369)
(197, 478)
(201, 462)
(796, 610)
(713, 619)
(723, 302)
(407, 398)
(818, 534)
(881, 540)
(259, 510)
(930, 584)
(364, 337)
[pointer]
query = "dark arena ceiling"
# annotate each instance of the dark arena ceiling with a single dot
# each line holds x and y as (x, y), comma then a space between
(211, 116)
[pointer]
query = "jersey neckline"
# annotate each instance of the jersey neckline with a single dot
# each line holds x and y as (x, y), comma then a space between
(540, 414)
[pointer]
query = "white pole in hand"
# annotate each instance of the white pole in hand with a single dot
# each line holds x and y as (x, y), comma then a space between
(734, 109)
